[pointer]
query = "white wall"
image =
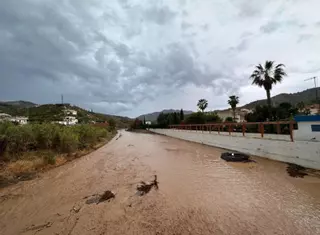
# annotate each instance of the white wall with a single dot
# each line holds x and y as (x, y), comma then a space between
(304, 131)
(303, 153)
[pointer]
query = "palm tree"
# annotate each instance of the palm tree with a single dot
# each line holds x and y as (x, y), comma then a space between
(233, 101)
(268, 76)
(202, 104)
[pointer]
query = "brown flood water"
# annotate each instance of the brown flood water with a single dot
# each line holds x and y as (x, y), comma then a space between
(198, 194)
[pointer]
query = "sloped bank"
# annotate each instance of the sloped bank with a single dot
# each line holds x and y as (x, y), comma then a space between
(303, 153)
(32, 148)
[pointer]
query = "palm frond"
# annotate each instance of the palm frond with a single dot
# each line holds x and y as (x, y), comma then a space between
(280, 65)
(269, 65)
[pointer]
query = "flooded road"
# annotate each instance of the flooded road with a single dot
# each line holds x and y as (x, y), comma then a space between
(198, 194)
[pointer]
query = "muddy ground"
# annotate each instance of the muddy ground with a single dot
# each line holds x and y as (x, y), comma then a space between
(198, 193)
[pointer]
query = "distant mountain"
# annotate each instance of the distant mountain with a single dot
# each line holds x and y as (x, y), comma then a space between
(15, 107)
(153, 116)
(307, 96)
(19, 103)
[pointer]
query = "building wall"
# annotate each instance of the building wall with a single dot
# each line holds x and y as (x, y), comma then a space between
(304, 132)
(303, 153)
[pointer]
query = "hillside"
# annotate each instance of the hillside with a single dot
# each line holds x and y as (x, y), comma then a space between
(54, 112)
(15, 107)
(153, 116)
(307, 96)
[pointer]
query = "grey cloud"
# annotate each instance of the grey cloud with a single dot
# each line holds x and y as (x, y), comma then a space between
(185, 25)
(112, 56)
(273, 26)
(248, 8)
(205, 27)
(304, 37)
(160, 15)
(270, 27)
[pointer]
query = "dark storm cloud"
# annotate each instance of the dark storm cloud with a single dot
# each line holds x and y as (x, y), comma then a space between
(58, 46)
(115, 55)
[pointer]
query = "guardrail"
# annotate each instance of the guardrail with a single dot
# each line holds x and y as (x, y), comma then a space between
(237, 127)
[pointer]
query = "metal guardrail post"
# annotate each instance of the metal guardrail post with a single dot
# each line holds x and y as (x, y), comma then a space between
(291, 131)
(278, 128)
(261, 129)
(243, 129)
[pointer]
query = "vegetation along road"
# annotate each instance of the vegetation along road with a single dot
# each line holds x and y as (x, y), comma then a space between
(198, 194)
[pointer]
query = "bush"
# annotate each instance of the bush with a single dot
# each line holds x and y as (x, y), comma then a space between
(69, 141)
(20, 139)
(50, 158)
(196, 118)
(16, 140)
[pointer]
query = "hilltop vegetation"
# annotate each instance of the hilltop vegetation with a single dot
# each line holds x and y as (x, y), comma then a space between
(54, 112)
(307, 96)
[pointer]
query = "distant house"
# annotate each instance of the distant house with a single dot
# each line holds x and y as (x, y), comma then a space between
(240, 114)
(70, 112)
(17, 119)
(148, 122)
(5, 117)
(314, 108)
(68, 121)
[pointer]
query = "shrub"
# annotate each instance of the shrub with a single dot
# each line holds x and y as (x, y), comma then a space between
(87, 135)
(69, 141)
(16, 140)
(20, 139)
(50, 158)
(45, 134)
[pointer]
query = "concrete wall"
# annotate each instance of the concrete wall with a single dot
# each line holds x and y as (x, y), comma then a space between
(304, 131)
(303, 153)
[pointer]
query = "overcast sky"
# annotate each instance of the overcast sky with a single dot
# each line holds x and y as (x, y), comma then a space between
(129, 57)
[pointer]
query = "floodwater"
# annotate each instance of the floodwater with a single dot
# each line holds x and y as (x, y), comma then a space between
(198, 194)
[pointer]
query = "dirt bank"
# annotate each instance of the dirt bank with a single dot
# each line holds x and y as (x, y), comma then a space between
(198, 193)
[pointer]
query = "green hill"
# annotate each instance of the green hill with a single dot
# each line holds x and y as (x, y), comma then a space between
(307, 96)
(54, 112)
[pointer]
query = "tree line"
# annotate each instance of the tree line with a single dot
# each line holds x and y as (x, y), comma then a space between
(265, 76)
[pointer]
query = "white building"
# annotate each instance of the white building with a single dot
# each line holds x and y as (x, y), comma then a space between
(308, 128)
(4, 117)
(68, 120)
(240, 114)
(148, 122)
(70, 112)
(19, 120)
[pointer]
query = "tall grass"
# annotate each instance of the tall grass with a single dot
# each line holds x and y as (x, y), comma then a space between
(17, 140)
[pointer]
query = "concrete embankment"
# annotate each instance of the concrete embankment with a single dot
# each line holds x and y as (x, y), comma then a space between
(304, 153)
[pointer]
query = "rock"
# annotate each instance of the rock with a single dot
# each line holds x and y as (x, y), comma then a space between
(106, 196)
(97, 198)
(144, 188)
(235, 157)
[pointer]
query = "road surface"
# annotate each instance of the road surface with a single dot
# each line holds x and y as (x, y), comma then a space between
(198, 194)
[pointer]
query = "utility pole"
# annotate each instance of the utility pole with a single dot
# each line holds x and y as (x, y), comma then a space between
(61, 99)
(315, 85)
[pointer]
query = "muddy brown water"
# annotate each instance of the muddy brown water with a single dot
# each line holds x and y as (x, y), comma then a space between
(198, 194)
